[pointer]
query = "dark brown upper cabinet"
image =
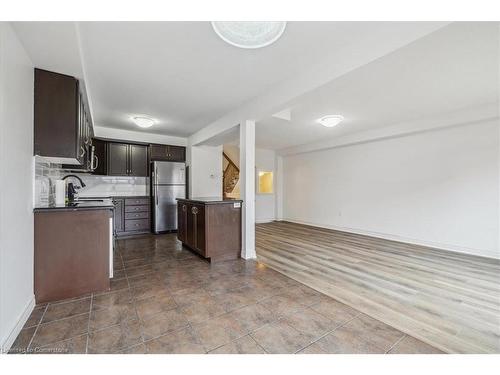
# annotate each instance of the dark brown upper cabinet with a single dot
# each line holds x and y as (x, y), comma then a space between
(167, 153)
(62, 124)
(100, 157)
(138, 160)
(118, 159)
(127, 160)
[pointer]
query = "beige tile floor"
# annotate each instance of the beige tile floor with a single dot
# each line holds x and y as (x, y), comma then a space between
(165, 299)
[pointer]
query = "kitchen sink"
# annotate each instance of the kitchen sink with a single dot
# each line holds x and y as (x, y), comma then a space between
(89, 200)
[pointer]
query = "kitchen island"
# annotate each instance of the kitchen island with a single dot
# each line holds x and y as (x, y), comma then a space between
(73, 250)
(210, 226)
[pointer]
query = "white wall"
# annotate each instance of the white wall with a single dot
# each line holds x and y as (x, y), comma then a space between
(437, 188)
(205, 171)
(16, 186)
(265, 160)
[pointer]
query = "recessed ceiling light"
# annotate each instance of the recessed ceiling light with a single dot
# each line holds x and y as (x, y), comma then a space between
(331, 120)
(249, 34)
(143, 122)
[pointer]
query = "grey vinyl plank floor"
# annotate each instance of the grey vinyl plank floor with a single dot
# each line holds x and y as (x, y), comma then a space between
(448, 300)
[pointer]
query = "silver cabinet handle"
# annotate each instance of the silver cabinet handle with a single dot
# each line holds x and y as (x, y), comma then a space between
(96, 159)
(184, 208)
(83, 151)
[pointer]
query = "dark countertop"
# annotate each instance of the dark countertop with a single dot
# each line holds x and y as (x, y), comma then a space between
(210, 200)
(77, 206)
(112, 196)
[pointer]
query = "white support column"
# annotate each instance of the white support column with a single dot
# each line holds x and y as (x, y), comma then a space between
(279, 188)
(247, 187)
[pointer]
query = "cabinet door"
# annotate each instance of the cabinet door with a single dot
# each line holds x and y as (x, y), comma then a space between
(158, 152)
(118, 159)
(82, 131)
(168, 153)
(198, 212)
(119, 218)
(138, 160)
(56, 116)
(177, 153)
(99, 161)
(181, 221)
(190, 226)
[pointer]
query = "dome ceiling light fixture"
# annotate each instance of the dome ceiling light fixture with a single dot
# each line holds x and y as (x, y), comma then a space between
(143, 121)
(330, 120)
(249, 34)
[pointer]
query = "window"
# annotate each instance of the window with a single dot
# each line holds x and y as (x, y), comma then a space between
(265, 182)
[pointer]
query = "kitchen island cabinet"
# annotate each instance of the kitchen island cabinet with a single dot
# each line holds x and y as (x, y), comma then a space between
(73, 251)
(210, 226)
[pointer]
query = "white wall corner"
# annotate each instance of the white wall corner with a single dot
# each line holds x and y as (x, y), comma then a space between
(21, 321)
(16, 213)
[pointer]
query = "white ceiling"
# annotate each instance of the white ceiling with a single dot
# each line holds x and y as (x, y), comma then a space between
(454, 68)
(181, 73)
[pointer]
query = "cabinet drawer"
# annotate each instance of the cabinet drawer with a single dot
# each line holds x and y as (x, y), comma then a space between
(137, 215)
(136, 208)
(136, 201)
(140, 224)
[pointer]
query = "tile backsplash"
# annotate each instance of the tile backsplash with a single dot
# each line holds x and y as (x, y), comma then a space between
(45, 175)
(96, 186)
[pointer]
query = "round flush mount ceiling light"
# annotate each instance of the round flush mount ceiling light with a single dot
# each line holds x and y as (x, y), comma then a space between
(143, 122)
(331, 120)
(251, 34)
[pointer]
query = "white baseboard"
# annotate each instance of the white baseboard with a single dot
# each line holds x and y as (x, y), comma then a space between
(264, 220)
(393, 237)
(9, 340)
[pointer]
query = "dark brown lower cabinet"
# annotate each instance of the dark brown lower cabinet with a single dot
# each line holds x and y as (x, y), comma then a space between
(132, 215)
(196, 228)
(181, 222)
(118, 219)
(210, 228)
(72, 253)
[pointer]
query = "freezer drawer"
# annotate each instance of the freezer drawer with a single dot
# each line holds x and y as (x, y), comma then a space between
(165, 206)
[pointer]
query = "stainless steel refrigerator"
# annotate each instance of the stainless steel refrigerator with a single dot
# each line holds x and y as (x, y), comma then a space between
(168, 182)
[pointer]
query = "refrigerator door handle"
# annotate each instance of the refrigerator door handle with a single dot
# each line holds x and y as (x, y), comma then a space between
(156, 195)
